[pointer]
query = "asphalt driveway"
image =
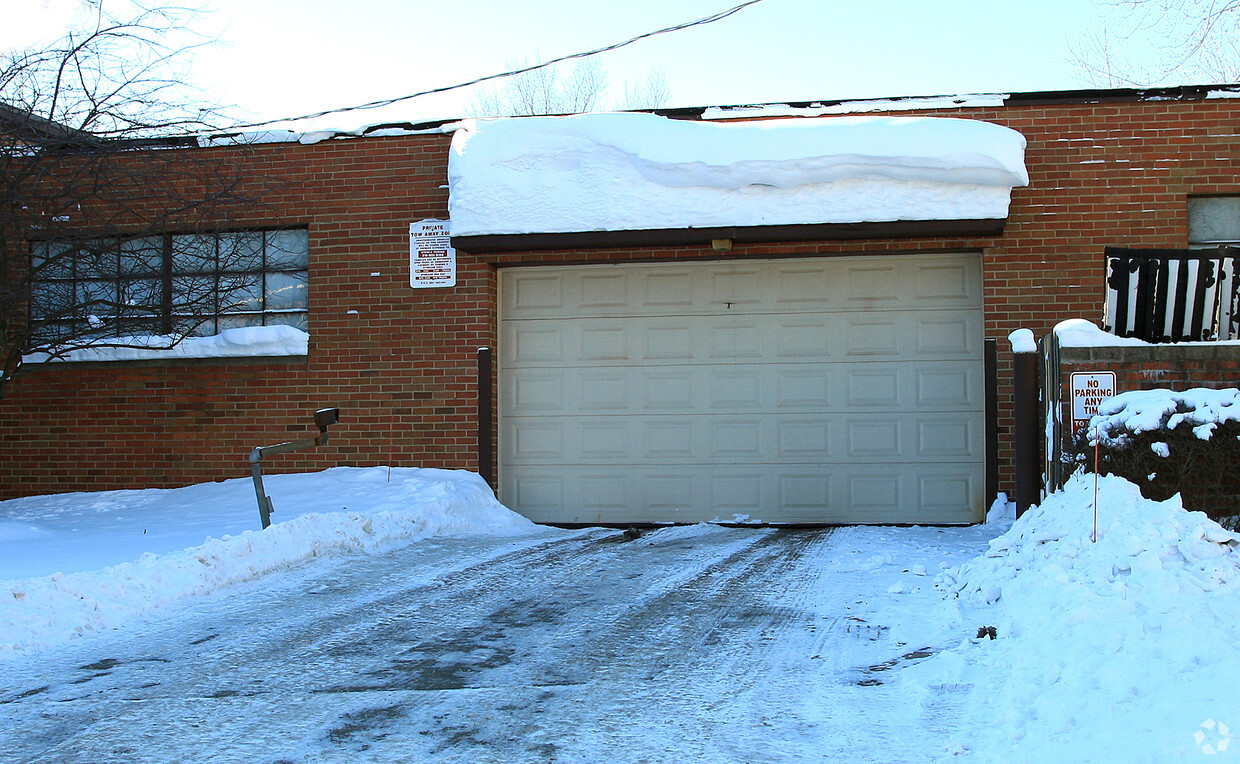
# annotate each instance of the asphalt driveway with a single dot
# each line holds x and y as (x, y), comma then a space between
(698, 644)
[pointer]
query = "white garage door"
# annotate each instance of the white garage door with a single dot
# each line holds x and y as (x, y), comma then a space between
(824, 390)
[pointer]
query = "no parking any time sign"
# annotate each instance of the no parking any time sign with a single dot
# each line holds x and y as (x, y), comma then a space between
(1088, 390)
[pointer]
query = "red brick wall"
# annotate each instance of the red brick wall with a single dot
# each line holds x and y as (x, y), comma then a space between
(402, 369)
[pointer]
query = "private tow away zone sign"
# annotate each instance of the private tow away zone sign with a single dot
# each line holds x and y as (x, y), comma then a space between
(1088, 390)
(432, 260)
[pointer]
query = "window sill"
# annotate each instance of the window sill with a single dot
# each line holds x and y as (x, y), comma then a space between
(247, 342)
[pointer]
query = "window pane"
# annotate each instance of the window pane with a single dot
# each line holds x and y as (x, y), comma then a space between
(234, 321)
(194, 253)
(241, 292)
(295, 320)
(288, 250)
(142, 293)
(143, 257)
(196, 327)
(52, 260)
(286, 291)
(139, 327)
(241, 251)
(49, 299)
(53, 332)
(193, 295)
(97, 297)
(97, 258)
(1213, 219)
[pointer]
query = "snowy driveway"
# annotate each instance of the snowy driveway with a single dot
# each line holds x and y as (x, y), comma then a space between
(696, 644)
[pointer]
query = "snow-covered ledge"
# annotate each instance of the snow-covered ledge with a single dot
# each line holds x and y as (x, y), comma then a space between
(635, 172)
(1080, 333)
(244, 342)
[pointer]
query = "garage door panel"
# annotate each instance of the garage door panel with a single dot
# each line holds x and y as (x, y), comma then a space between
(535, 292)
(736, 286)
(669, 389)
(664, 289)
(735, 339)
(873, 438)
(950, 282)
(738, 339)
(947, 386)
(807, 388)
(603, 290)
(785, 494)
(703, 439)
(794, 285)
(799, 440)
(598, 342)
(667, 340)
(603, 390)
(799, 390)
(739, 389)
(942, 336)
(539, 344)
(670, 439)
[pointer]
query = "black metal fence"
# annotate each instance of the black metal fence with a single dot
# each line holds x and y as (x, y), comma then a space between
(1173, 295)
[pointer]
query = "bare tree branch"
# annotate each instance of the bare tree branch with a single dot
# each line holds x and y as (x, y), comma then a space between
(91, 168)
(545, 90)
(1161, 42)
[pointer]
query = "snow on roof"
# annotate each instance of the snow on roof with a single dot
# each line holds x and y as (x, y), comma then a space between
(612, 172)
(820, 108)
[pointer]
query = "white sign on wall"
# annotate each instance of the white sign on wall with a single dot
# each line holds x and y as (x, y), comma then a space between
(1088, 390)
(432, 260)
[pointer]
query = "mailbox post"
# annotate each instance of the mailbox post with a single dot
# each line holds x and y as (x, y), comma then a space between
(323, 418)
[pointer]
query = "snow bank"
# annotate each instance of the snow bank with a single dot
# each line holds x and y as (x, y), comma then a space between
(248, 341)
(597, 172)
(1115, 650)
(1146, 410)
(337, 511)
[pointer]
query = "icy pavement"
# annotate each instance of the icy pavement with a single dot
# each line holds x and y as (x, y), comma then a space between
(701, 644)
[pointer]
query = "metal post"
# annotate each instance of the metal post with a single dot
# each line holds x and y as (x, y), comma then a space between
(323, 418)
(1027, 435)
(264, 501)
(991, 369)
(486, 439)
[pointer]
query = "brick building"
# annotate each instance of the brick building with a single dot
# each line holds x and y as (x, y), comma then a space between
(580, 433)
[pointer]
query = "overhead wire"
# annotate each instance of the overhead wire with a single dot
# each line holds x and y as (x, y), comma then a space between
(512, 73)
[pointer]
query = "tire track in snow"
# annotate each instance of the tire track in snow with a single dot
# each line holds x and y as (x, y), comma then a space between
(699, 643)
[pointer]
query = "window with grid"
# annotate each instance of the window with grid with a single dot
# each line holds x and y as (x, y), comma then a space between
(184, 284)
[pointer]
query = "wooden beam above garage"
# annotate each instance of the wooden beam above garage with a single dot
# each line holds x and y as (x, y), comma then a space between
(900, 229)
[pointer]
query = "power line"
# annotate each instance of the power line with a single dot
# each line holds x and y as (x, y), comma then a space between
(388, 101)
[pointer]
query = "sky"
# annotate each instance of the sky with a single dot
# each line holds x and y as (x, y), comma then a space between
(278, 58)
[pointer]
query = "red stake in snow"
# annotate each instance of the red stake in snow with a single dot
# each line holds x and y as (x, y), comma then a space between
(1095, 536)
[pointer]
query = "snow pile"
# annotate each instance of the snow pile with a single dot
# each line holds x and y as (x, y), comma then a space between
(338, 511)
(1114, 650)
(247, 341)
(1140, 411)
(609, 172)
